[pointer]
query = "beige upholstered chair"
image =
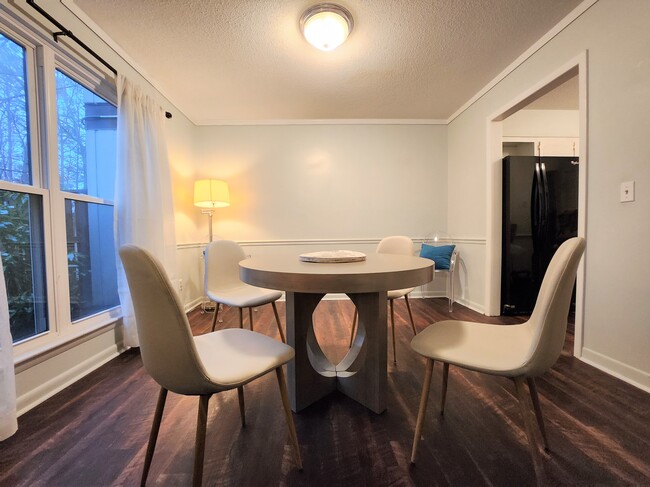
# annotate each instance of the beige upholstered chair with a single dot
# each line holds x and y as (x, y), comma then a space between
(393, 245)
(202, 365)
(520, 352)
(223, 286)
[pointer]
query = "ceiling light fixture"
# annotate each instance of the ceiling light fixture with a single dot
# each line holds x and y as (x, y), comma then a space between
(326, 26)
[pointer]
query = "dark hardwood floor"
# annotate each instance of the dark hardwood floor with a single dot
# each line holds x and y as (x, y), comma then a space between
(94, 433)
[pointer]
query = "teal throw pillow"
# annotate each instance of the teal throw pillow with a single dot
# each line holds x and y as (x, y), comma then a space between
(441, 255)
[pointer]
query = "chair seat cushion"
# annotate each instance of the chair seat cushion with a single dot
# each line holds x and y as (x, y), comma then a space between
(496, 349)
(398, 293)
(243, 296)
(233, 357)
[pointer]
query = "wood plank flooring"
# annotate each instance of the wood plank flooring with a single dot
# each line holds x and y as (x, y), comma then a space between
(94, 433)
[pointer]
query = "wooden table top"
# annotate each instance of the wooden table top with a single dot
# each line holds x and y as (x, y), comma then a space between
(379, 272)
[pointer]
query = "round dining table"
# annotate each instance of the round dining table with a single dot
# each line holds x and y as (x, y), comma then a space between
(362, 373)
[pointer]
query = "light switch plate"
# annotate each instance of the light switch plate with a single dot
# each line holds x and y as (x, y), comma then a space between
(627, 191)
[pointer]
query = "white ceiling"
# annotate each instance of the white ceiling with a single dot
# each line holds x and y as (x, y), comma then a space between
(236, 61)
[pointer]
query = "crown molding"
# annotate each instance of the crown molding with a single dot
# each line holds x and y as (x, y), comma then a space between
(326, 121)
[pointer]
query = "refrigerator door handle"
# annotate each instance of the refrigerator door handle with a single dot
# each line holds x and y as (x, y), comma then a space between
(536, 204)
(545, 197)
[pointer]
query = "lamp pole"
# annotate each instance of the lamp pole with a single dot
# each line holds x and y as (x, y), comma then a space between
(209, 213)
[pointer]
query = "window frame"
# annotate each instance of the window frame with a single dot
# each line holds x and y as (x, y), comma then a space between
(42, 58)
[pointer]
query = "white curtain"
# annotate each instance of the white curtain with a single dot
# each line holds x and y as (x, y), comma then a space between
(8, 421)
(144, 213)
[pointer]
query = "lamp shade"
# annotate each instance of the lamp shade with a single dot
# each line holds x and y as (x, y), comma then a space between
(211, 193)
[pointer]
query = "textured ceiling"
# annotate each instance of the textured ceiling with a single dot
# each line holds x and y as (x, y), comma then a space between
(245, 60)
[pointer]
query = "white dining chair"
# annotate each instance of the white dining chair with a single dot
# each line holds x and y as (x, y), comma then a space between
(224, 287)
(392, 245)
(197, 366)
(520, 352)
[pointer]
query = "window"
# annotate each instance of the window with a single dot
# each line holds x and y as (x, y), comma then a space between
(55, 215)
(14, 138)
(92, 273)
(86, 128)
(23, 259)
(86, 137)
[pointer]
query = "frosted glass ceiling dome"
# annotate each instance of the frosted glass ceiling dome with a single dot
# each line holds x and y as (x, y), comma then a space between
(326, 26)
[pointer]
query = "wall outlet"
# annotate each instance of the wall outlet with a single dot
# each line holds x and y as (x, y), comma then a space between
(180, 285)
(627, 191)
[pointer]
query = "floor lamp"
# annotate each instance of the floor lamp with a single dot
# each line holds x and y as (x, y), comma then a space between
(208, 195)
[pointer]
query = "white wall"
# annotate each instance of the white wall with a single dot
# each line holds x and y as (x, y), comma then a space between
(293, 182)
(297, 188)
(542, 123)
(616, 308)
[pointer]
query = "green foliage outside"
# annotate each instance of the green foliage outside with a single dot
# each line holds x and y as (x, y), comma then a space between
(18, 257)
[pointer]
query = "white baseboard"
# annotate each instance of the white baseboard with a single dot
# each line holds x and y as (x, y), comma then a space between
(195, 303)
(631, 375)
(472, 305)
(40, 382)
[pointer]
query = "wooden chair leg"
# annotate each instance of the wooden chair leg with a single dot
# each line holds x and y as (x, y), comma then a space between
(250, 318)
(216, 314)
(199, 448)
(445, 380)
(354, 326)
(532, 387)
(282, 383)
(242, 412)
(392, 327)
(277, 320)
(408, 307)
(426, 385)
(153, 436)
(241, 318)
(531, 430)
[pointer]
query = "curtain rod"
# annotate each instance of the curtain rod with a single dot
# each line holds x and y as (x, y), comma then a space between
(68, 33)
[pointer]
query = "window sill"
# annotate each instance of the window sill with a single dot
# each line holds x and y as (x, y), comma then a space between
(28, 359)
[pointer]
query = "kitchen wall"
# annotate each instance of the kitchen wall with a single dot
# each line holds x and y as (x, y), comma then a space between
(542, 132)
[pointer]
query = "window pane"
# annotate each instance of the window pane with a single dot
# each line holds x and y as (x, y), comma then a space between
(15, 163)
(23, 261)
(87, 139)
(91, 258)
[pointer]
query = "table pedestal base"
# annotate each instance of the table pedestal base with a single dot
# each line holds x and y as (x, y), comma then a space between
(361, 375)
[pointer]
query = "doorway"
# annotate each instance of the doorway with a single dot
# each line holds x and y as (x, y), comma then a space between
(575, 69)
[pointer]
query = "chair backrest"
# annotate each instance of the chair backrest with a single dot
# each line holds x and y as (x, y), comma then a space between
(222, 264)
(548, 322)
(395, 245)
(166, 344)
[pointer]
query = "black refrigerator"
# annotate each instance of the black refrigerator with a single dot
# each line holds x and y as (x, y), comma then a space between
(540, 211)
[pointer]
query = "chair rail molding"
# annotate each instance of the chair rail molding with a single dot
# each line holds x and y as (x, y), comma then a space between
(190, 258)
(328, 241)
